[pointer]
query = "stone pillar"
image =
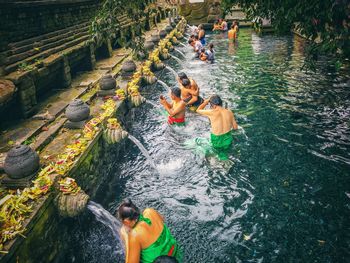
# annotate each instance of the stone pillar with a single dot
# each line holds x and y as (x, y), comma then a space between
(26, 93)
(91, 59)
(66, 75)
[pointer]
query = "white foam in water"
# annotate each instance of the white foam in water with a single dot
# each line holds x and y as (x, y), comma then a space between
(170, 166)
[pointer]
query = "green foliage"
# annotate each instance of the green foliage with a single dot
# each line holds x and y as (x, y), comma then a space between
(25, 67)
(111, 17)
(326, 23)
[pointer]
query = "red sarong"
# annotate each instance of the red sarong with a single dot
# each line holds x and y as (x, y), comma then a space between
(172, 120)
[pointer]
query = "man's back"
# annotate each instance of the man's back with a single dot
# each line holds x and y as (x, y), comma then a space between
(221, 120)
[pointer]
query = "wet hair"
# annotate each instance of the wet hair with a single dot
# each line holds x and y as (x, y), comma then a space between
(215, 100)
(127, 210)
(186, 82)
(190, 41)
(211, 45)
(165, 259)
(176, 92)
(182, 75)
(196, 37)
(192, 36)
(203, 50)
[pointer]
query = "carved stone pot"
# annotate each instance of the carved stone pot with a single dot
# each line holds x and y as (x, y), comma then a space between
(70, 205)
(107, 82)
(168, 28)
(155, 38)
(149, 45)
(21, 161)
(128, 67)
(77, 111)
(162, 34)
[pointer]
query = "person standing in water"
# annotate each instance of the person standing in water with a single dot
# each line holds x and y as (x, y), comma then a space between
(222, 123)
(145, 235)
(210, 53)
(176, 108)
(232, 33)
(201, 34)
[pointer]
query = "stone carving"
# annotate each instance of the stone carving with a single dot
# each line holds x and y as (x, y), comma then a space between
(77, 111)
(168, 28)
(162, 34)
(128, 66)
(149, 46)
(155, 38)
(107, 82)
(201, 12)
(71, 205)
(21, 161)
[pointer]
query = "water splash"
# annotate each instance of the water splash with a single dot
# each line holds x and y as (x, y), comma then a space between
(106, 218)
(143, 150)
(163, 84)
(176, 58)
(172, 70)
(241, 129)
(182, 54)
(182, 44)
(152, 103)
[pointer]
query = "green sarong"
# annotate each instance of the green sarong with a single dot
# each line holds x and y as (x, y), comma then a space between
(165, 245)
(222, 143)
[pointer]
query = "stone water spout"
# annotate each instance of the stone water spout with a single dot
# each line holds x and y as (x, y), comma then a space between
(71, 205)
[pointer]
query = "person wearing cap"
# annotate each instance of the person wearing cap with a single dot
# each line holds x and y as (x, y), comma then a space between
(222, 123)
(176, 108)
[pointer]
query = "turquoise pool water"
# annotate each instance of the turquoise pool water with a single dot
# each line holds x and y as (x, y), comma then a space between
(284, 196)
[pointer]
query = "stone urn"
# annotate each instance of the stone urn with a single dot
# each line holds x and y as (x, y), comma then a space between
(149, 45)
(21, 161)
(71, 205)
(155, 38)
(168, 28)
(107, 82)
(128, 67)
(162, 34)
(77, 111)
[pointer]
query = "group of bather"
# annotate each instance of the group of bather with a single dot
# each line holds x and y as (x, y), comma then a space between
(222, 26)
(147, 239)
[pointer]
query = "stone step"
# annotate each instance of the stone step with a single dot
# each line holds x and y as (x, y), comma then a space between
(40, 48)
(38, 44)
(45, 54)
(48, 35)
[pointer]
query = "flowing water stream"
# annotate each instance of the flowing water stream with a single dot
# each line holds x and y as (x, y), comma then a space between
(176, 58)
(284, 195)
(164, 85)
(180, 52)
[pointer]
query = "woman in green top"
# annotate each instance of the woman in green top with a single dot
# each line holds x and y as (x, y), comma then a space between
(145, 235)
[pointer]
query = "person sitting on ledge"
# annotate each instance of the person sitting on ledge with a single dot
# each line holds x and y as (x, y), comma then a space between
(145, 235)
(222, 122)
(165, 259)
(190, 94)
(176, 108)
(203, 55)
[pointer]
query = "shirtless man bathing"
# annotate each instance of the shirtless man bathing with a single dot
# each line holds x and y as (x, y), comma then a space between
(176, 107)
(189, 91)
(222, 123)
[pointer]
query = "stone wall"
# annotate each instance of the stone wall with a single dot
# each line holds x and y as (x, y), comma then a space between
(20, 20)
(202, 12)
(45, 239)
